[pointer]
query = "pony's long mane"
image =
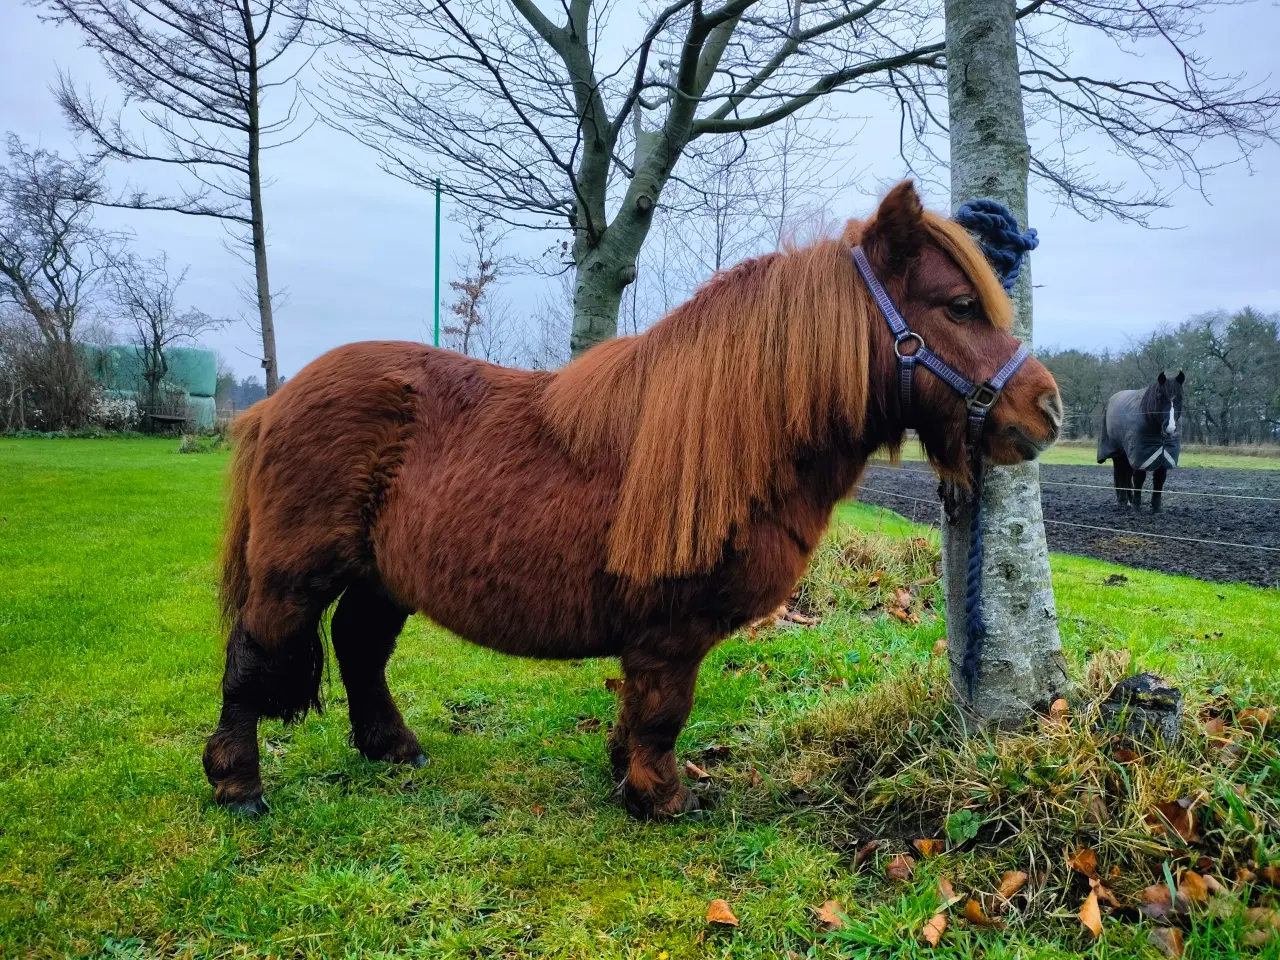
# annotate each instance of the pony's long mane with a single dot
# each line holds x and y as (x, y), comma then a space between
(705, 413)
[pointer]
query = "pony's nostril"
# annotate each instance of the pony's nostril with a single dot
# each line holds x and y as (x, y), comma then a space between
(1051, 403)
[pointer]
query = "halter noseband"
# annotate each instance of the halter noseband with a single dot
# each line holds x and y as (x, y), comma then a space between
(978, 398)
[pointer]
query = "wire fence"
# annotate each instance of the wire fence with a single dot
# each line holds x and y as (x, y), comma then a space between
(1083, 526)
(1098, 486)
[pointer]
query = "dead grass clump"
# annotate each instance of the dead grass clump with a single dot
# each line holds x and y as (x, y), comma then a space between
(854, 571)
(896, 764)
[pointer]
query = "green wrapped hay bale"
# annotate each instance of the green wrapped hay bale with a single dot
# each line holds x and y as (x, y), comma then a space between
(194, 369)
(203, 412)
(121, 368)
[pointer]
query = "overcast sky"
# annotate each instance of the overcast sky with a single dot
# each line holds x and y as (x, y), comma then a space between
(352, 246)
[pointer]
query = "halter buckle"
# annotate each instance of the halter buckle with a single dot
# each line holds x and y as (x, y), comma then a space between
(982, 397)
(909, 335)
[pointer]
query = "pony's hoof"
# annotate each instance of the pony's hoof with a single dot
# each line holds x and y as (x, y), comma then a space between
(642, 807)
(250, 809)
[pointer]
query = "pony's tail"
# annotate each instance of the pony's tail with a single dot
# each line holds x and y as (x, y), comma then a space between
(234, 592)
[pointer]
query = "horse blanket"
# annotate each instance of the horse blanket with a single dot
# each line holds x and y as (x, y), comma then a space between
(1127, 429)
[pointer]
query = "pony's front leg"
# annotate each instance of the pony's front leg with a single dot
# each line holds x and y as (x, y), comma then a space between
(1157, 485)
(657, 695)
(1139, 478)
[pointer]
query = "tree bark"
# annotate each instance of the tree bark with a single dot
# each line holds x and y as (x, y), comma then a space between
(1021, 668)
(270, 366)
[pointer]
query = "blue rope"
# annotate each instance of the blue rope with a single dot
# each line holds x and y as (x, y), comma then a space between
(975, 627)
(997, 233)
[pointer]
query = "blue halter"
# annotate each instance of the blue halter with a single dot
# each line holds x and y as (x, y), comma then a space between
(978, 400)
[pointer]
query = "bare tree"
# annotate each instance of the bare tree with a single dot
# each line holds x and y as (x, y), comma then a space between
(542, 120)
(197, 74)
(146, 298)
(478, 316)
(52, 260)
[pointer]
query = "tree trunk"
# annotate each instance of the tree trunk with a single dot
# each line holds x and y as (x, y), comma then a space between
(604, 274)
(1021, 668)
(270, 367)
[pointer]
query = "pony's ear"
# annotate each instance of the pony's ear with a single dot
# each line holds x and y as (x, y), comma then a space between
(1182, 377)
(896, 232)
(1160, 379)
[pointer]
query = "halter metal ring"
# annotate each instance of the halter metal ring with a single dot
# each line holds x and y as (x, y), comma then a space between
(982, 398)
(909, 335)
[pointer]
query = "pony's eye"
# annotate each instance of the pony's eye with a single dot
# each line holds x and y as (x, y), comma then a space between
(962, 308)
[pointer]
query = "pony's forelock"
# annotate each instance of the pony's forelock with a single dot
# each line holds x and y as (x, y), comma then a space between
(956, 242)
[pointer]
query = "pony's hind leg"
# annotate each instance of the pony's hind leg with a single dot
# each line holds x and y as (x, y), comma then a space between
(364, 630)
(278, 678)
(1123, 478)
(657, 696)
(1157, 485)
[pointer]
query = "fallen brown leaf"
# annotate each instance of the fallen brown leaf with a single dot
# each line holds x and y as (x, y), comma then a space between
(934, 929)
(1255, 718)
(829, 915)
(1270, 875)
(718, 912)
(1215, 727)
(1090, 915)
(1263, 924)
(928, 848)
(900, 868)
(538, 810)
(902, 598)
(875, 579)
(756, 779)
(1085, 861)
(940, 647)
(1168, 940)
(1213, 885)
(1176, 814)
(1059, 711)
(974, 914)
(865, 851)
(1154, 902)
(1245, 875)
(613, 684)
(1104, 895)
(1097, 809)
(1193, 887)
(1010, 884)
(946, 893)
(695, 772)
(1125, 755)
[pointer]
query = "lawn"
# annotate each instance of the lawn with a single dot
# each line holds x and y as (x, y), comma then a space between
(506, 844)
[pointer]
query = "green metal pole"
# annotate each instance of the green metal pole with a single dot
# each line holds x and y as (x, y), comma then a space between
(436, 337)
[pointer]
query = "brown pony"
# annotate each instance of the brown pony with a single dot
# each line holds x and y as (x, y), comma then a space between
(643, 503)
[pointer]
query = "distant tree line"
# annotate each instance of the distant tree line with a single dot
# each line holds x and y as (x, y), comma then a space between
(233, 394)
(1232, 363)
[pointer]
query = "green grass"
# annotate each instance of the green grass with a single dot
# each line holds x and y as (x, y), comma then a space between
(1080, 453)
(507, 844)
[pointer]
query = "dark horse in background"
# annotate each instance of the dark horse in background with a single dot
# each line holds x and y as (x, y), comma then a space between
(1140, 433)
(644, 502)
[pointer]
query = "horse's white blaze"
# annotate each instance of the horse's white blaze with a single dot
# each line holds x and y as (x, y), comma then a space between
(1173, 424)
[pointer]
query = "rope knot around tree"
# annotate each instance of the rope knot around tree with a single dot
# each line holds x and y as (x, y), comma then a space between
(996, 230)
